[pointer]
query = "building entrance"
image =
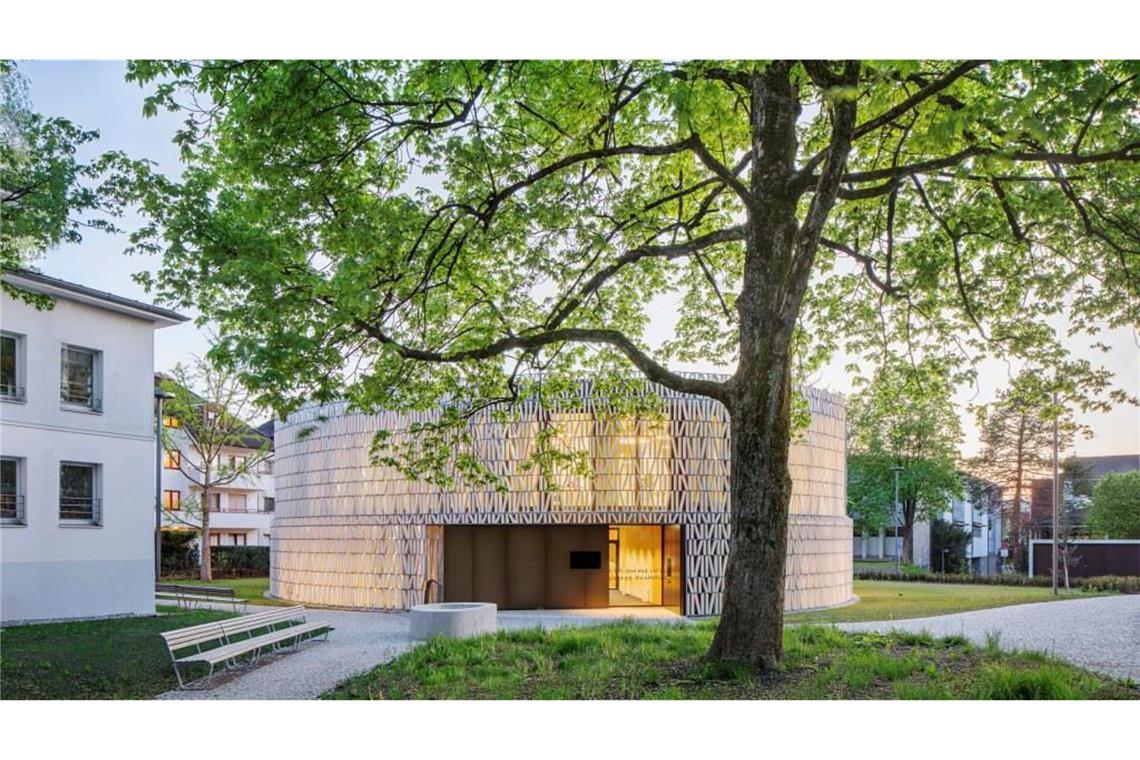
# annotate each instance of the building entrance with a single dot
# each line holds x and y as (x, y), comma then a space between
(563, 567)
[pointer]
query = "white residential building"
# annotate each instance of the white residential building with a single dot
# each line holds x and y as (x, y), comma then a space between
(241, 512)
(983, 552)
(77, 446)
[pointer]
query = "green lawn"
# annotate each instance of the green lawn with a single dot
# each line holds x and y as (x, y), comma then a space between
(629, 660)
(900, 600)
(122, 658)
(251, 589)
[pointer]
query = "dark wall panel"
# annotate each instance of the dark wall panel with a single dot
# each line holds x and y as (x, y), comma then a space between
(489, 579)
(526, 567)
(457, 564)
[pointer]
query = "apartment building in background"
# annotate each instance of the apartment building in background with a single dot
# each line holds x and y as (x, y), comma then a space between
(241, 512)
(76, 451)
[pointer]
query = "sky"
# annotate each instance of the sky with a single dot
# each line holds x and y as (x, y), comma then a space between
(95, 95)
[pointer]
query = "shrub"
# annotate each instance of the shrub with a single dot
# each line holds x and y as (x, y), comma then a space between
(1122, 584)
(240, 561)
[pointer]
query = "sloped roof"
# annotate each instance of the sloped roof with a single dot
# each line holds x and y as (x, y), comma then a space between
(25, 279)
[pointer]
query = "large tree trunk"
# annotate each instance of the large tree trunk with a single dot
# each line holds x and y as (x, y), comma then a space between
(752, 622)
(777, 265)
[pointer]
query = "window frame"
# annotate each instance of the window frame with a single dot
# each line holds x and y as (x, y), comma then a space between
(96, 518)
(16, 392)
(94, 404)
(231, 498)
(19, 517)
(171, 459)
(171, 504)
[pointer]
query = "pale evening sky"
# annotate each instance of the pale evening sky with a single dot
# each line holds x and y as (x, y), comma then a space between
(94, 95)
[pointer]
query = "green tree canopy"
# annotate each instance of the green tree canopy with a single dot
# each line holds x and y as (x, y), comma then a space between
(401, 232)
(903, 418)
(1115, 508)
(48, 194)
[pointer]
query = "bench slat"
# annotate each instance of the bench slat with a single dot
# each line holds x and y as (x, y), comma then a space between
(230, 651)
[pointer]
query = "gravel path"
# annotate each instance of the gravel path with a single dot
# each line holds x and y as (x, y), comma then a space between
(363, 640)
(1101, 633)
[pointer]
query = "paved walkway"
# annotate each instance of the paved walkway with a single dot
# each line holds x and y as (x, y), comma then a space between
(1101, 633)
(363, 640)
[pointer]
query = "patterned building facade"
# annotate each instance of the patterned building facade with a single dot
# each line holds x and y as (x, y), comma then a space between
(349, 533)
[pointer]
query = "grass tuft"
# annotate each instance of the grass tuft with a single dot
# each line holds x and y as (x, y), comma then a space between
(629, 660)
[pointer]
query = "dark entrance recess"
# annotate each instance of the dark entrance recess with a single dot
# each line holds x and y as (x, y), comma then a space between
(548, 566)
(526, 567)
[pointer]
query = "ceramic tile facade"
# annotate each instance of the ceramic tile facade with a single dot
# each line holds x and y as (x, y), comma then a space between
(352, 534)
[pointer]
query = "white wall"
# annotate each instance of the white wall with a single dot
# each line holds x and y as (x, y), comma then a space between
(49, 569)
(254, 486)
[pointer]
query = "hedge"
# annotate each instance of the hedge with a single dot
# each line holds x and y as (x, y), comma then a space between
(1123, 584)
(181, 561)
(240, 561)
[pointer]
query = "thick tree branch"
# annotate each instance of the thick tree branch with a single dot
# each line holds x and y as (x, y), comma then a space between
(656, 372)
(567, 304)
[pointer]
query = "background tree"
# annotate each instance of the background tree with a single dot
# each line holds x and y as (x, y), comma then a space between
(400, 232)
(48, 194)
(1017, 437)
(904, 417)
(948, 544)
(1115, 508)
(211, 405)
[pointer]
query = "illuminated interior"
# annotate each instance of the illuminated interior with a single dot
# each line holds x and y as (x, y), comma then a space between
(636, 567)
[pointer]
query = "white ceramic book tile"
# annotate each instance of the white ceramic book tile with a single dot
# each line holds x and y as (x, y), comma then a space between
(353, 534)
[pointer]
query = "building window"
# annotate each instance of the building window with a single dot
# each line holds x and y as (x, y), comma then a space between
(237, 502)
(172, 500)
(79, 378)
(265, 467)
(11, 491)
(11, 367)
(171, 422)
(239, 539)
(214, 501)
(79, 492)
(171, 459)
(269, 505)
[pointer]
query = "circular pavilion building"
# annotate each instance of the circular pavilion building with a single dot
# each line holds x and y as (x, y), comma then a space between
(645, 524)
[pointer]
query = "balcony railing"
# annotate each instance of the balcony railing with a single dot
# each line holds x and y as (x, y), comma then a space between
(12, 508)
(11, 392)
(70, 394)
(247, 510)
(80, 508)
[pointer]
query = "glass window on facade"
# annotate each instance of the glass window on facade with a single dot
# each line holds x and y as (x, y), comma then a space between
(78, 492)
(11, 387)
(172, 500)
(214, 501)
(11, 493)
(171, 459)
(269, 504)
(237, 502)
(77, 377)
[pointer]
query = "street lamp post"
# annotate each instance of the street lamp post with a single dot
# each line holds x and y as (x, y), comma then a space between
(159, 396)
(896, 469)
(1056, 489)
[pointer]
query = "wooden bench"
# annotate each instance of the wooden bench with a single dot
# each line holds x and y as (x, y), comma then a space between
(239, 642)
(192, 596)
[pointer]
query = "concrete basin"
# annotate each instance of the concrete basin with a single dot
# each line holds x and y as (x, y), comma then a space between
(458, 620)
